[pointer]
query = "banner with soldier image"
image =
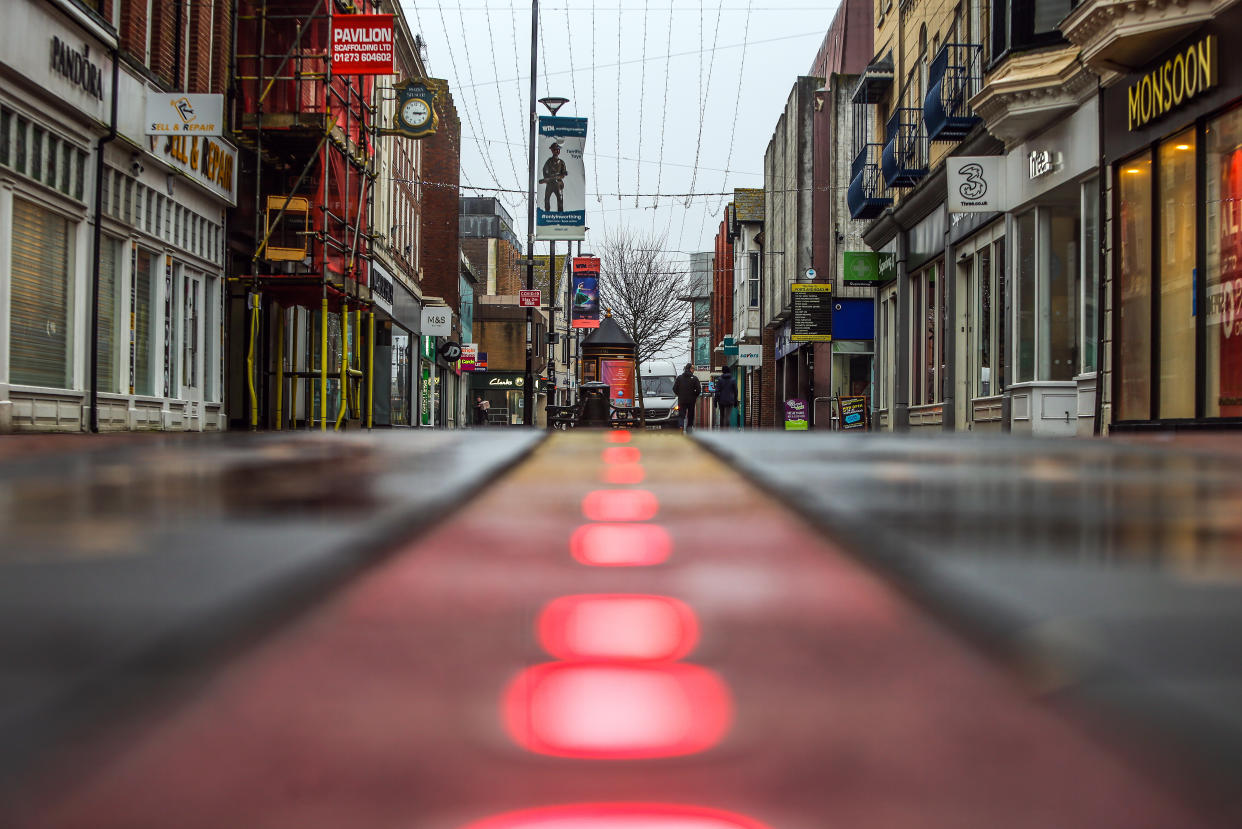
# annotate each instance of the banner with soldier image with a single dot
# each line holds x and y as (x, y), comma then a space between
(560, 191)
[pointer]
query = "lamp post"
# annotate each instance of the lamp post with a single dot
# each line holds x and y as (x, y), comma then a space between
(527, 395)
(553, 103)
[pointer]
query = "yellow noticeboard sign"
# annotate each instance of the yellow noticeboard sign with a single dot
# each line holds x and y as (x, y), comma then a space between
(812, 312)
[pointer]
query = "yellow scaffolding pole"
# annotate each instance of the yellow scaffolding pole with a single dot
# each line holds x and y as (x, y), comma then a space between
(370, 367)
(280, 368)
(344, 395)
(293, 386)
(254, 335)
(323, 368)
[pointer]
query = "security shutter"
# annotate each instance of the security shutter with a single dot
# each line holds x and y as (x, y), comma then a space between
(107, 359)
(39, 330)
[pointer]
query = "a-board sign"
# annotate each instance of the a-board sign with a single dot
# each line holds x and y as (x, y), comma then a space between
(853, 412)
(529, 299)
(796, 415)
(812, 313)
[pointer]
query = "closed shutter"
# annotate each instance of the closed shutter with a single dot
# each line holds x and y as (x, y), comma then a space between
(39, 315)
(143, 290)
(106, 358)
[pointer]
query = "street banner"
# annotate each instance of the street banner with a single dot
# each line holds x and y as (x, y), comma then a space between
(976, 183)
(560, 197)
(180, 113)
(362, 44)
(619, 375)
(584, 296)
(812, 312)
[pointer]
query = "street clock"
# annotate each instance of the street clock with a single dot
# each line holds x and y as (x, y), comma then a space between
(416, 112)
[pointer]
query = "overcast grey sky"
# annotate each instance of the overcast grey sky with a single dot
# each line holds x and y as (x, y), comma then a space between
(682, 97)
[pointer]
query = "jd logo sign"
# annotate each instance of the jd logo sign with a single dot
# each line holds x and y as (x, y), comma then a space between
(450, 352)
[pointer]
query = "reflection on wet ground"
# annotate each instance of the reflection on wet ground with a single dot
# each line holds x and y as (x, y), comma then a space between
(622, 632)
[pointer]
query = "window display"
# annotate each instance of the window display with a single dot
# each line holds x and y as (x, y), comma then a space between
(1224, 266)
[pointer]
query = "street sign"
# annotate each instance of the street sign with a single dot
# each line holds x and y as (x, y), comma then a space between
(810, 273)
(529, 299)
(812, 313)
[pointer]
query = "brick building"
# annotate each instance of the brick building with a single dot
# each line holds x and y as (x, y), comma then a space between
(133, 342)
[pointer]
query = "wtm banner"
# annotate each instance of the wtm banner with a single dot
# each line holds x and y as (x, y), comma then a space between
(560, 196)
(584, 302)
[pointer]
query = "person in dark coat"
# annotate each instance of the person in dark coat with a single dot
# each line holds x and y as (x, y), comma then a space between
(726, 397)
(687, 388)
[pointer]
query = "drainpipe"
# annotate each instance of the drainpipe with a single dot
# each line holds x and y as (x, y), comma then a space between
(97, 241)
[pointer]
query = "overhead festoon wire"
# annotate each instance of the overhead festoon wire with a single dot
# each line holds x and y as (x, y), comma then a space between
(737, 103)
(500, 104)
(642, 101)
(487, 164)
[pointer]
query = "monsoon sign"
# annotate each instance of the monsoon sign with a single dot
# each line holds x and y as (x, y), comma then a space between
(362, 44)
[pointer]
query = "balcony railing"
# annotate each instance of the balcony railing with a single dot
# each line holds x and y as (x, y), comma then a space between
(955, 75)
(865, 195)
(904, 160)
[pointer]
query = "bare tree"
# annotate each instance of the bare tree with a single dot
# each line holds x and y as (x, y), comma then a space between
(645, 290)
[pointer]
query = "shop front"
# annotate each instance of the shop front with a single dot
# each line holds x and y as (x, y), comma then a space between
(1174, 146)
(396, 348)
(503, 391)
(1053, 232)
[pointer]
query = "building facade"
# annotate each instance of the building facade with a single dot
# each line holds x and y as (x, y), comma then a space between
(135, 343)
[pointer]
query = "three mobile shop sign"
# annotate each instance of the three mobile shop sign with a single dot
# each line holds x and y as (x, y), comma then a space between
(362, 44)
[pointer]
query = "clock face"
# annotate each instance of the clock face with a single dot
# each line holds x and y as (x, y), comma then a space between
(415, 112)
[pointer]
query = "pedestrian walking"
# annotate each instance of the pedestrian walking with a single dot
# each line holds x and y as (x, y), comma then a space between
(687, 388)
(480, 410)
(726, 397)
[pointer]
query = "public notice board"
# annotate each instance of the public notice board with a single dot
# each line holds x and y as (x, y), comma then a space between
(812, 312)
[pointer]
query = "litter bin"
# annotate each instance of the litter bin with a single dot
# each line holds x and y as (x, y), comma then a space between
(596, 408)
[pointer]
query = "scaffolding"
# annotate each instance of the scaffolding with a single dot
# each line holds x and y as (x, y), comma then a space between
(311, 138)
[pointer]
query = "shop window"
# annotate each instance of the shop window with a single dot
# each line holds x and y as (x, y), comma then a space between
(1048, 292)
(40, 307)
(107, 357)
(1224, 267)
(1133, 336)
(1090, 273)
(53, 156)
(926, 295)
(143, 309)
(1176, 244)
(1025, 311)
(190, 344)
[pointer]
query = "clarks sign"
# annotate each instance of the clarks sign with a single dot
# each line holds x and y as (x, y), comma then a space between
(1186, 75)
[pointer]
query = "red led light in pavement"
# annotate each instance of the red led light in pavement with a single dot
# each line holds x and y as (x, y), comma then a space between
(620, 545)
(619, 816)
(626, 473)
(619, 436)
(620, 505)
(622, 454)
(620, 626)
(617, 710)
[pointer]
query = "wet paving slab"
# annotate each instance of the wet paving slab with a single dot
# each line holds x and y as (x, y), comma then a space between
(617, 634)
(1109, 572)
(124, 562)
